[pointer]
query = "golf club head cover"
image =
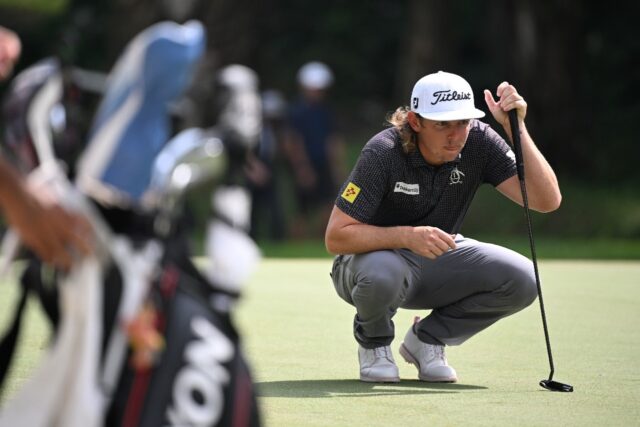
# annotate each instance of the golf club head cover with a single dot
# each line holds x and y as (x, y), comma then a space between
(133, 122)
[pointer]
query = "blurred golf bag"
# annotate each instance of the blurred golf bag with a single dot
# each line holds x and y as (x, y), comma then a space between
(130, 179)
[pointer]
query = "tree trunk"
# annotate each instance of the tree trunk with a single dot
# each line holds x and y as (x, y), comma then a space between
(430, 43)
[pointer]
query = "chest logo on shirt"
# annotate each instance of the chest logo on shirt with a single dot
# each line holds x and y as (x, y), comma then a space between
(351, 192)
(403, 187)
(456, 176)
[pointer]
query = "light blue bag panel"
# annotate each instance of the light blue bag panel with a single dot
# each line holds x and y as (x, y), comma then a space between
(133, 123)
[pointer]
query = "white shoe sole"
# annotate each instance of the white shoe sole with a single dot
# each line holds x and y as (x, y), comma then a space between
(408, 357)
(379, 379)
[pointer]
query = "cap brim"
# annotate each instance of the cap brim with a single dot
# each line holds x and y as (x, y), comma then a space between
(446, 116)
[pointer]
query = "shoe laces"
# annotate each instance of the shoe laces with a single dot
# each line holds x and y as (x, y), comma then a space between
(434, 352)
(384, 351)
(438, 352)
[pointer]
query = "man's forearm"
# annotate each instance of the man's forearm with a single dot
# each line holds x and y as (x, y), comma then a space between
(11, 186)
(359, 238)
(542, 185)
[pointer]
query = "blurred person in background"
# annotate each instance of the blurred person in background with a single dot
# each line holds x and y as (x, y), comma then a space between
(55, 234)
(267, 218)
(315, 151)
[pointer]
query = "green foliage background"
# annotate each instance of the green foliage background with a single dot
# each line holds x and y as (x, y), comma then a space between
(574, 62)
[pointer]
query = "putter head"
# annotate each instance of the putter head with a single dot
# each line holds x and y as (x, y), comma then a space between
(556, 386)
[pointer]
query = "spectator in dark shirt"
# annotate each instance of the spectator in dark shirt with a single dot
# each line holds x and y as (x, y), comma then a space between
(314, 150)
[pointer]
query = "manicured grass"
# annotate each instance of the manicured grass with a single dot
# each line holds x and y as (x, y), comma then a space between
(297, 335)
(33, 337)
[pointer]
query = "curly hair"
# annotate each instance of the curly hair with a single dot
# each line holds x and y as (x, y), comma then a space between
(398, 119)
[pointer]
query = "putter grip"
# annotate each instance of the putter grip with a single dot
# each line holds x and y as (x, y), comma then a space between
(517, 145)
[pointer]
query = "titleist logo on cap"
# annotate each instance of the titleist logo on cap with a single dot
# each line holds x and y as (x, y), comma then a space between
(444, 96)
(449, 95)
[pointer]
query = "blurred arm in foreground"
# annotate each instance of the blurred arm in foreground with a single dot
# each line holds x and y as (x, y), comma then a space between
(53, 233)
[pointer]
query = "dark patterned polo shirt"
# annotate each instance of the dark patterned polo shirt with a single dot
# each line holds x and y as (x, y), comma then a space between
(388, 187)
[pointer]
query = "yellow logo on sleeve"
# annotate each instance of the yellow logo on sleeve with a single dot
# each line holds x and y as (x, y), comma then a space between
(351, 192)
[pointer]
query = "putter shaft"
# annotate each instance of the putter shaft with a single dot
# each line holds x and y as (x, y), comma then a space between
(549, 384)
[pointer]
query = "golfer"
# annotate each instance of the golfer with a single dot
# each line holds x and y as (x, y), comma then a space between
(394, 227)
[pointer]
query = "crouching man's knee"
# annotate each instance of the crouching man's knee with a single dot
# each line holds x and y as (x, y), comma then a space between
(381, 277)
(524, 289)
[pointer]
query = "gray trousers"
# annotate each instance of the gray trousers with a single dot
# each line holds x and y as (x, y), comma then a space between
(467, 289)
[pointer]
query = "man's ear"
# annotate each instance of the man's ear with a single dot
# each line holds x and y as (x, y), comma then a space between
(414, 121)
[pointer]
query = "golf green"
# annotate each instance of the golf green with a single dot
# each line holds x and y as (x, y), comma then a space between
(297, 335)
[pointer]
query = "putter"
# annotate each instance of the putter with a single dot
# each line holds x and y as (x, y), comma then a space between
(549, 384)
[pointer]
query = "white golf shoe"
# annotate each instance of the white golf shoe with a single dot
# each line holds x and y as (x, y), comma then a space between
(429, 359)
(377, 365)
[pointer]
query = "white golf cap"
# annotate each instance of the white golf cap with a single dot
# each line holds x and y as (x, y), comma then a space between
(444, 96)
(315, 75)
(238, 77)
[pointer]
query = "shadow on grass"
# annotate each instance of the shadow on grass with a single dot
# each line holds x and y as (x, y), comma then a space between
(345, 388)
